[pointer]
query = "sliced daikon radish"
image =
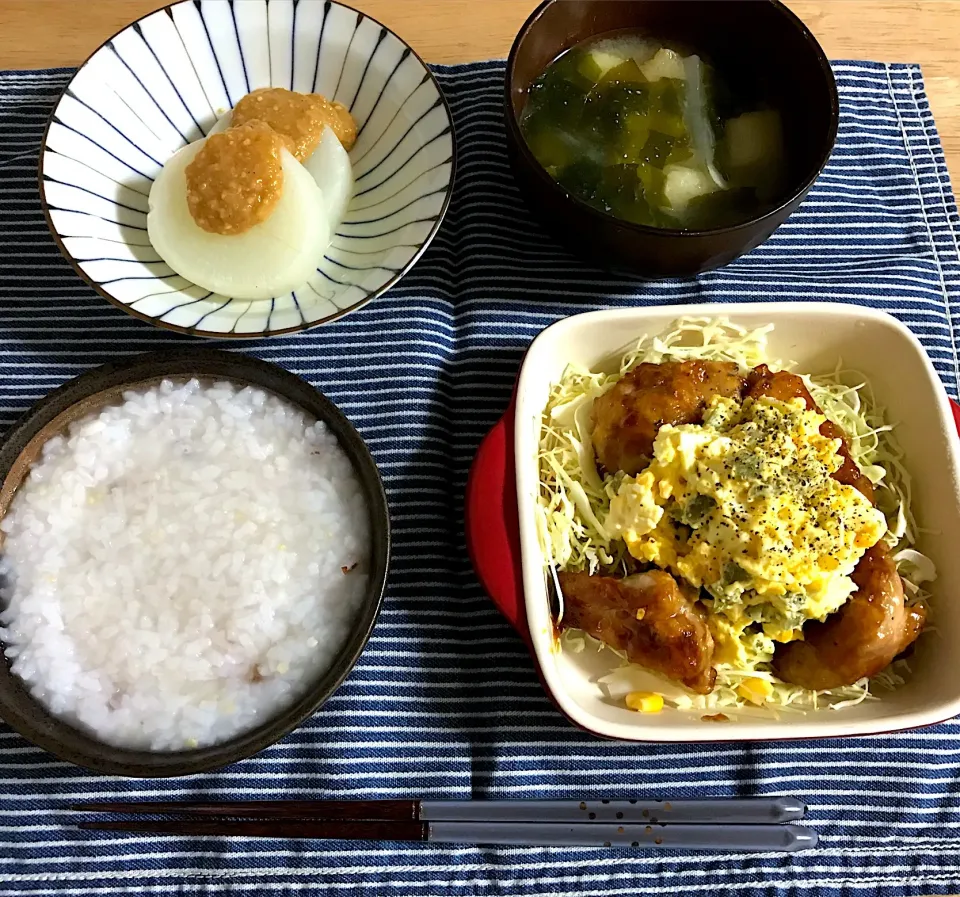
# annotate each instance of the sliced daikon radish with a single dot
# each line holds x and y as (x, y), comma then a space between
(664, 64)
(331, 169)
(271, 258)
(222, 123)
(682, 185)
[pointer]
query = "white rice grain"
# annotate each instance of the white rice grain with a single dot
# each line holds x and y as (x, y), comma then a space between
(173, 567)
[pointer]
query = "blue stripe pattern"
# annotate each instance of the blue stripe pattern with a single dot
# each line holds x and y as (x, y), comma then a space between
(445, 701)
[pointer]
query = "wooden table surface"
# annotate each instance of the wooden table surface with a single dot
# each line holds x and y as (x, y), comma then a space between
(46, 33)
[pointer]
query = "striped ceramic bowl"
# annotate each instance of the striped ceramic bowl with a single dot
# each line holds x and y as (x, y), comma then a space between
(163, 81)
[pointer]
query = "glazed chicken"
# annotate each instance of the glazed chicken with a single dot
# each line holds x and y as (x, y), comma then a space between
(649, 618)
(860, 639)
(785, 386)
(627, 417)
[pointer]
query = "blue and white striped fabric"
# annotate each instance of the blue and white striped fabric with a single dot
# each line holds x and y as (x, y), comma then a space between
(445, 702)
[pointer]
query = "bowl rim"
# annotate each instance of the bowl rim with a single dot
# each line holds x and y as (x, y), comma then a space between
(259, 334)
(513, 128)
(209, 364)
(746, 729)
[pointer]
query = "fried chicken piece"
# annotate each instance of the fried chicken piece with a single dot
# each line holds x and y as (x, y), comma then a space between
(628, 416)
(785, 386)
(862, 637)
(646, 616)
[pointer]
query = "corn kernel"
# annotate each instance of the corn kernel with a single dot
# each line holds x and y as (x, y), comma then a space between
(755, 690)
(645, 701)
(641, 613)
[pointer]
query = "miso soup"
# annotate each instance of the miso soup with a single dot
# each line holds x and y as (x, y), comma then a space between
(650, 133)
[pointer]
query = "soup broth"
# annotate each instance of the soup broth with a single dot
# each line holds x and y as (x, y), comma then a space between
(650, 133)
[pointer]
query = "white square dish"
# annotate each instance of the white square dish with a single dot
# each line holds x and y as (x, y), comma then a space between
(815, 336)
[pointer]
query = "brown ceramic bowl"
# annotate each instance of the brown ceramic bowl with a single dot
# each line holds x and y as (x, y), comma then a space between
(755, 42)
(105, 385)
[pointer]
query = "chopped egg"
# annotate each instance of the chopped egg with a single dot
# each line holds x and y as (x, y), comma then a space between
(634, 511)
(745, 506)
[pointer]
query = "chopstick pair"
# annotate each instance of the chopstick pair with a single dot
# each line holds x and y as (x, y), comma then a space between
(748, 825)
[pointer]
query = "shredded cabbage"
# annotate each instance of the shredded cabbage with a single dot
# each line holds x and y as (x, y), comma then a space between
(574, 502)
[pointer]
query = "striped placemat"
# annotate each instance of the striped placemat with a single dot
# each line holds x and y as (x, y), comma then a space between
(445, 702)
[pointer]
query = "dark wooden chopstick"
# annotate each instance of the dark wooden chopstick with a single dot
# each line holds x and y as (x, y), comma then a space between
(359, 810)
(753, 838)
(347, 829)
(749, 811)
